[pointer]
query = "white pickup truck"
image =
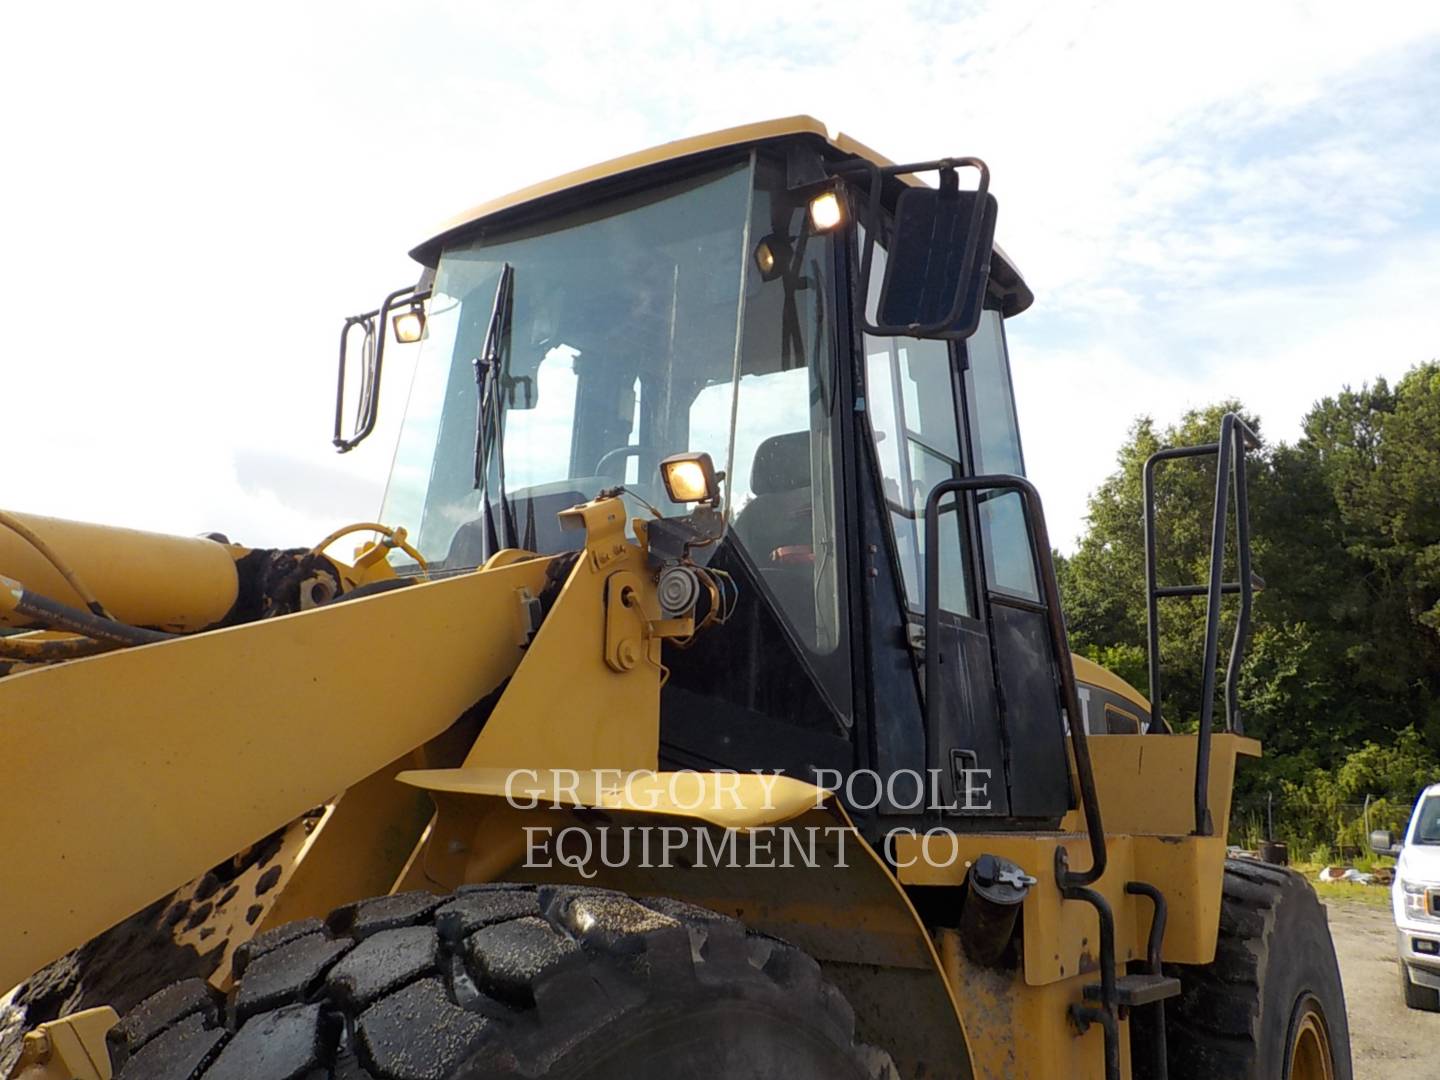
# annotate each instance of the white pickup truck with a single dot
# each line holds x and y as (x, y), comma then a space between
(1416, 900)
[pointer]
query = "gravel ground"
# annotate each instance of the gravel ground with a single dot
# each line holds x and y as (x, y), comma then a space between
(1387, 1040)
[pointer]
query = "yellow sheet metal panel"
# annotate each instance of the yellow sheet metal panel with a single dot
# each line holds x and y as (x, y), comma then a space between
(358, 849)
(1062, 937)
(1191, 872)
(1020, 1032)
(142, 578)
(1087, 671)
(566, 707)
(731, 800)
(671, 151)
(1145, 782)
(71, 1048)
(145, 767)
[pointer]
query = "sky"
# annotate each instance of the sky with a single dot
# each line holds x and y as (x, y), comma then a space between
(1227, 200)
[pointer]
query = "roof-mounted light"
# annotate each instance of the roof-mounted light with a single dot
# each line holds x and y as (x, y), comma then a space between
(826, 211)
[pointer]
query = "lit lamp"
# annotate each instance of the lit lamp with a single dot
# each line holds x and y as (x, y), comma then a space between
(826, 211)
(772, 256)
(690, 478)
(409, 325)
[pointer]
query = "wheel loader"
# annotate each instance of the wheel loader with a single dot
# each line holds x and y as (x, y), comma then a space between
(699, 704)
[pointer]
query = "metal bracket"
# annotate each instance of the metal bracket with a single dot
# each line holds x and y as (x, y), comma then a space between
(71, 1048)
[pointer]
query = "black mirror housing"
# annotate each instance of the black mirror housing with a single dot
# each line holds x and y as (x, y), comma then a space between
(937, 266)
(939, 262)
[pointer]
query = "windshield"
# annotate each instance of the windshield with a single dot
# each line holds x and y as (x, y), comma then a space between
(641, 327)
(1427, 822)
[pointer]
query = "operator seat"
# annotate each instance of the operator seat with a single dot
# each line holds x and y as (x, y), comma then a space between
(776, 527)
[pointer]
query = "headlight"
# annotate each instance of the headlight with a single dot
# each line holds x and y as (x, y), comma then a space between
(1414, 894)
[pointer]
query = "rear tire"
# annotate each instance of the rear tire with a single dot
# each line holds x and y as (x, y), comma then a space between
(505, 981)
(1270, 1006)
(1418, 997)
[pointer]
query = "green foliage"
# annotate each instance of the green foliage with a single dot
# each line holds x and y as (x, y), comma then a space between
(1342, 676)
(1327, 802)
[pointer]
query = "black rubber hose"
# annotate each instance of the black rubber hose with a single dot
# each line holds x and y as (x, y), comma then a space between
(54, 615)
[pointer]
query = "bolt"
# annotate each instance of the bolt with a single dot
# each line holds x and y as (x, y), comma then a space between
(629, 656)
(37, 1046)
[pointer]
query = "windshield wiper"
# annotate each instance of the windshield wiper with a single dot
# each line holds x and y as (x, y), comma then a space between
(490, 409)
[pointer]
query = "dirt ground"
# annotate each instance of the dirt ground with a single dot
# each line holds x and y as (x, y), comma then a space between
(1387, 1040)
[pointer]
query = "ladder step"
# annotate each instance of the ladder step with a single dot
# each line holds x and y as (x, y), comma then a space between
(1136, 990)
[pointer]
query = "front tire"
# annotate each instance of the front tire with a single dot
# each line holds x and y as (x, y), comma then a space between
(1422, 998)
(1270, 1006)
(505, 981)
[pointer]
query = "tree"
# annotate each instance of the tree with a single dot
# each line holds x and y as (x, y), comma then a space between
(1345, 645)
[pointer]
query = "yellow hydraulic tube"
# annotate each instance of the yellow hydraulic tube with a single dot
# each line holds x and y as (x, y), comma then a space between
(36, 541)
(393, 538)
(174, 583)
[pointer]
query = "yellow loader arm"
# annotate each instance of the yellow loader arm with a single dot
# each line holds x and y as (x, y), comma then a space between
(133, 772)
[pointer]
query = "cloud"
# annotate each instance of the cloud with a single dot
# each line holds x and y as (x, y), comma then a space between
(1230, 199)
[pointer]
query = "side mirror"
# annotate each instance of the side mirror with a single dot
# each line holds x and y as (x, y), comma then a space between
(1384, 842)
(409, 326)
(938, 260)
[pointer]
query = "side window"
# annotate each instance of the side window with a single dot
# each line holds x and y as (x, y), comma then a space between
(910, 399)
(781, 476)
(1009, 562)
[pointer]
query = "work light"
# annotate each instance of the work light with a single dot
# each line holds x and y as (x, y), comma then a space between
(825, 211)
(690, 478)
(409, 325)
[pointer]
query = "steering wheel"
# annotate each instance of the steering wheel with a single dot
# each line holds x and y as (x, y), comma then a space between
(620, 453)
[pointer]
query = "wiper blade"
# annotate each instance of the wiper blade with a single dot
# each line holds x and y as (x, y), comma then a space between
(489, 419)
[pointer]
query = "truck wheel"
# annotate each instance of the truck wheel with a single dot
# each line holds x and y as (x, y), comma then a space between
(1270, 1006)
(505, 981)
(1417, 997)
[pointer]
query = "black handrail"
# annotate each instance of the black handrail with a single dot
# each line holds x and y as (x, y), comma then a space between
(1107, 1015)
(1160, 1059)
(1059, 643)
(1229, 451)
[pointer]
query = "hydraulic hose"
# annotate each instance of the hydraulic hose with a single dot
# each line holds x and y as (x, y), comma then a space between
(31, 537)
(54, 615)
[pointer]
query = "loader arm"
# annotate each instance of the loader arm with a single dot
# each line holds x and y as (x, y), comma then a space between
(133, 772)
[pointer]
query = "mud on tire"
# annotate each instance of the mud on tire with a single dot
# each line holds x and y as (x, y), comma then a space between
(505, 981)
(1274, 970)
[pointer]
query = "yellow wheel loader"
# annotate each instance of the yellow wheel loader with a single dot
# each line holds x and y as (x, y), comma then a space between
(699, 705)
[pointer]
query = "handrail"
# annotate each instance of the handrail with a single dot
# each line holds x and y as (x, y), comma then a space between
(1229, 451)
(1059, 643)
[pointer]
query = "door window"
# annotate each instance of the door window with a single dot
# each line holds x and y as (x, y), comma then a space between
(910, 399)
(1009, 561)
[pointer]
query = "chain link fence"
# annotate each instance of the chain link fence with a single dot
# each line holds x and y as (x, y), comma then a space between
(1314, 833)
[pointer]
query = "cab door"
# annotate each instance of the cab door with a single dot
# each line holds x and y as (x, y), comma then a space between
(912, 401)
(1031, 714)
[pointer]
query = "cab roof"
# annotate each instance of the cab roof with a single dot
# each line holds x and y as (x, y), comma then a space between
(428, 252)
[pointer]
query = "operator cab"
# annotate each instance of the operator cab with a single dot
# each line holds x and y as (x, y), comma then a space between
(701, 298)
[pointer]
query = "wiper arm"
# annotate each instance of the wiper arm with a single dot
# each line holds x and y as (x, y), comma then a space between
(490, 409)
